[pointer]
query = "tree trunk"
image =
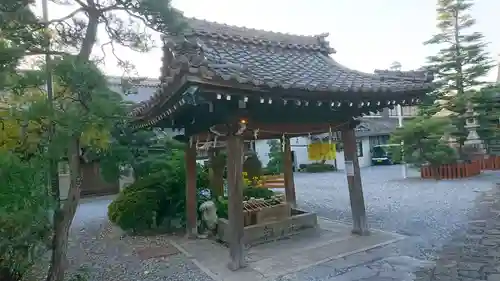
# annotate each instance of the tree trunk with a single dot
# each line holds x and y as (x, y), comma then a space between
(59, 246)
(64, 216)
(435, 172)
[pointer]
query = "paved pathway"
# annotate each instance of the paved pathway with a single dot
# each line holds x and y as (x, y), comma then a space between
(430, 213)
(473, 254)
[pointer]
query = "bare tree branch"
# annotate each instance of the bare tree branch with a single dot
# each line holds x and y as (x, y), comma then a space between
(81, 3)
(143, 20)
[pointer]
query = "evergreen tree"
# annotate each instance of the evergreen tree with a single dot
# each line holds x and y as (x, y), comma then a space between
(487, 109)
(275, 164)
(459, 64)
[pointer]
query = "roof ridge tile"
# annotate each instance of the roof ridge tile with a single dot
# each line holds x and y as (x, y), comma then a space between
(202, 27)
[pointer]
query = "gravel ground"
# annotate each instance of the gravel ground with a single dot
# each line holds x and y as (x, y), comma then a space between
(475, 253)
(103, 252)
(428, 211)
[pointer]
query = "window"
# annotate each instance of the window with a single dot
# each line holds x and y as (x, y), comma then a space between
(378, 152)
(359, 148)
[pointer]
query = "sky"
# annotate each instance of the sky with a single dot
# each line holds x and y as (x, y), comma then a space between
(367, 34)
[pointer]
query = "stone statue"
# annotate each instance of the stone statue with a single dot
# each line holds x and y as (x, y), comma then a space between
(209, 215)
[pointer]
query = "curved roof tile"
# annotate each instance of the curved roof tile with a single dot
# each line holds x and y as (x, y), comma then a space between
(269, 60)
(259, 37)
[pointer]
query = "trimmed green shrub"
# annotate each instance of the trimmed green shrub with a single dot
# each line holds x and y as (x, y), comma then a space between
(317, 168)
(135, 211)
(252, 166)
(156, 199)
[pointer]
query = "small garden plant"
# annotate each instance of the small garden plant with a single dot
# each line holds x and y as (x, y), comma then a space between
(252, 190)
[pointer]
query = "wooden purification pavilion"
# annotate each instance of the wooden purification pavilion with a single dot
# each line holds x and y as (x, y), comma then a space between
(233, 83)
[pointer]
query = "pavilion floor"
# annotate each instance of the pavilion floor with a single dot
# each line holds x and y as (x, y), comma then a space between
(331, 240)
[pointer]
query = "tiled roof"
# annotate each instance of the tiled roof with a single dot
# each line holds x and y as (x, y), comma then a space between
(290, 61)
(377, 127)
(242, 56)
(217, 31)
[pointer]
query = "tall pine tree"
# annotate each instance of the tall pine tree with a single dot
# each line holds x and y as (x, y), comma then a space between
(487, 109)
(459, 65)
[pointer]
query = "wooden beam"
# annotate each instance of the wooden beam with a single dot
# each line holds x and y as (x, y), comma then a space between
(191, 212)
(358, 210)
(235, 194)
(274, 131)
(288, 173)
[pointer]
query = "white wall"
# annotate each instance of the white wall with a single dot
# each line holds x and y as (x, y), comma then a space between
(262, 150)
(299, 146)
(366, 159)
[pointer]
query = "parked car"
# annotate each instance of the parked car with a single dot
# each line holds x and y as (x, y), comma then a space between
(386, 154)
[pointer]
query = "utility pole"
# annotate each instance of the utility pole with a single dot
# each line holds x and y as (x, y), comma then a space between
(399, 110)
(53, 164)
(396, 66)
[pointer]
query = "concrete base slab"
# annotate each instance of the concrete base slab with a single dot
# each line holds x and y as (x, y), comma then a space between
(332, 240)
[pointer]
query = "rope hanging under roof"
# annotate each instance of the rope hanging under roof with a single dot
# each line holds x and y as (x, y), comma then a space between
(213, 143)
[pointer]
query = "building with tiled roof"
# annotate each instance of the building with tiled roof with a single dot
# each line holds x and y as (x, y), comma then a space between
(228, 83)
(274, 66)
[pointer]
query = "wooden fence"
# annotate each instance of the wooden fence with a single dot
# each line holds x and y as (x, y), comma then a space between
(452, 171)
(490, 162)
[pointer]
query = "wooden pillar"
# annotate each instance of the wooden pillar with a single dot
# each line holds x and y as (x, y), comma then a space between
(288, 174)
(191, 206)
(358, 210)
(217, 165)
(235, 208)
